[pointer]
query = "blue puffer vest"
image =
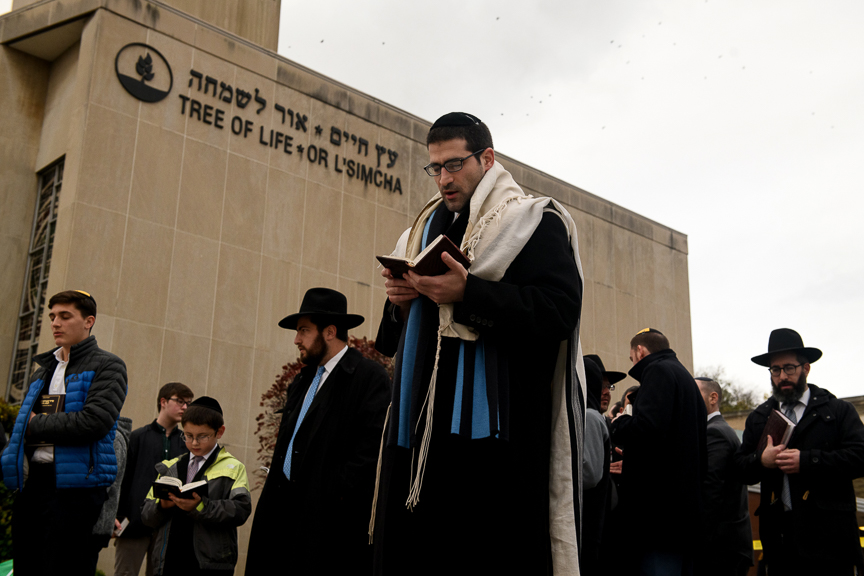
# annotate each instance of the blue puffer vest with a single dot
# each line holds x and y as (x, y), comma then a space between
(76, 466)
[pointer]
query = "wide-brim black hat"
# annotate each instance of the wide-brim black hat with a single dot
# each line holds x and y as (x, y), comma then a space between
(612, 376)
(328, 305)
(786, 340)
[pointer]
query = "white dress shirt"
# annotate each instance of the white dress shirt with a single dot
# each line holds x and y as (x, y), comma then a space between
(45, 454)
(330, 365)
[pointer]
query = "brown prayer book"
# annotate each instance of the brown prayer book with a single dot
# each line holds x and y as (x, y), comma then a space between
(46, 404)
(428, 262)
(166, 485)
(779, 427)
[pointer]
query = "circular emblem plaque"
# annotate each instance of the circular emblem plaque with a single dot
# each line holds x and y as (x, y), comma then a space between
(143, 72)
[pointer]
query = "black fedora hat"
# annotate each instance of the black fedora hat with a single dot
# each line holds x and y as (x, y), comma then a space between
(786, 340)
(613, 377)
(327, 304)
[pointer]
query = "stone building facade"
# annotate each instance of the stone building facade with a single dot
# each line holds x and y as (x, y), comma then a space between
(196, 183)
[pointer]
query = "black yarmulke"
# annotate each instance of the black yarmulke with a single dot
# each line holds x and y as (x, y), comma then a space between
(207, 402)
(456, 119)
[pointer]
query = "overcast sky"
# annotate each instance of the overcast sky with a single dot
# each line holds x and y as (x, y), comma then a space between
(738, 123)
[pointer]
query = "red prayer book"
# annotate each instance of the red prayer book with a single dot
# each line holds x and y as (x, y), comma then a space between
(779, 427)
(428, 262)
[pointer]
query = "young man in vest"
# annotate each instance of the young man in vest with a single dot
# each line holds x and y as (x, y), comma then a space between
(63, 484)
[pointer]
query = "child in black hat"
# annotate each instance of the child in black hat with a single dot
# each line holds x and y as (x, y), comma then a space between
(198, 535)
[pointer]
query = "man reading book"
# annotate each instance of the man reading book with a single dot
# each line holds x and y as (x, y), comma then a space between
(807, 520)
(61, 497)
(465, 481)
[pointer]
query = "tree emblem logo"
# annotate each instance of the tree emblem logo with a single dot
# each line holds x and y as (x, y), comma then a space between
(143, 72)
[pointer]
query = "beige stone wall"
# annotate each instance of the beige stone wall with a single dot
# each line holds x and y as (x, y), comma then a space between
(255, 20)
(22, 99)
(195, 240)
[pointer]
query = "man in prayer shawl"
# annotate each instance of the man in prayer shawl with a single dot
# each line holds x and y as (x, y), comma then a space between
(480, 467)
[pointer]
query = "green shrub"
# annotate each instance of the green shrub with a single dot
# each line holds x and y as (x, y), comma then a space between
(8, 413)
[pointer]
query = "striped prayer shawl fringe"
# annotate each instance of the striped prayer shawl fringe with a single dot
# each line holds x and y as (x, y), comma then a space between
(429, 404)
(378, 476)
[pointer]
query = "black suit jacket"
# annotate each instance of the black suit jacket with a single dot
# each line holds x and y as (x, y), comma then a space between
(727, 516)
(319, 518)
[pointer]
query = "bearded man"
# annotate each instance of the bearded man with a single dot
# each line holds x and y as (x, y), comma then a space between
(481, 457)
(313, 513)
(807, 520)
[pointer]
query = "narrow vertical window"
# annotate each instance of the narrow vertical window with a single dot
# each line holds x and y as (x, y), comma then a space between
(35, 282)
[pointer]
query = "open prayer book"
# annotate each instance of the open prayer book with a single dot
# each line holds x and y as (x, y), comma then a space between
(428, 262)
(164, 486)
(779, 427)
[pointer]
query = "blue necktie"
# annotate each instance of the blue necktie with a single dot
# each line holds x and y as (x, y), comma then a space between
(310, 395)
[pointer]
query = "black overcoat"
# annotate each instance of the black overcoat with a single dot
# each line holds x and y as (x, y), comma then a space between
(316, 523)
(664, 454)
(728, 538)
(830, 436)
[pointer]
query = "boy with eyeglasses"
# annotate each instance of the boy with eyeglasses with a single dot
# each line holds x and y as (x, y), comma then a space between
(149, 445)
(198, 535)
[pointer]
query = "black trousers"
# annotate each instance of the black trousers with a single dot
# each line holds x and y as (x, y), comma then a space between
(52, 529)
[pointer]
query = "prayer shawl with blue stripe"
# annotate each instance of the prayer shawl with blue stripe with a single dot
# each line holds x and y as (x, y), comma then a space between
(501, 220)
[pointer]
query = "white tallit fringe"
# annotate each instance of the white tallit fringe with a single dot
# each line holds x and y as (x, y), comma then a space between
(378, 475)
(429, 403)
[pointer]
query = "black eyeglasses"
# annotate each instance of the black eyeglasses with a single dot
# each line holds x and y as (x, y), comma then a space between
(451, 166)
(789, 369)
(199, 439)
(609, 387)
(179, 401)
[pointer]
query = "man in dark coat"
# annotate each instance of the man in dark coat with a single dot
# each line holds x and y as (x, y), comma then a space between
(596, 483)
(149, 445)
(807, 520)
(313, 514)
(474, 462)
(728, 546)
(664, 458)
